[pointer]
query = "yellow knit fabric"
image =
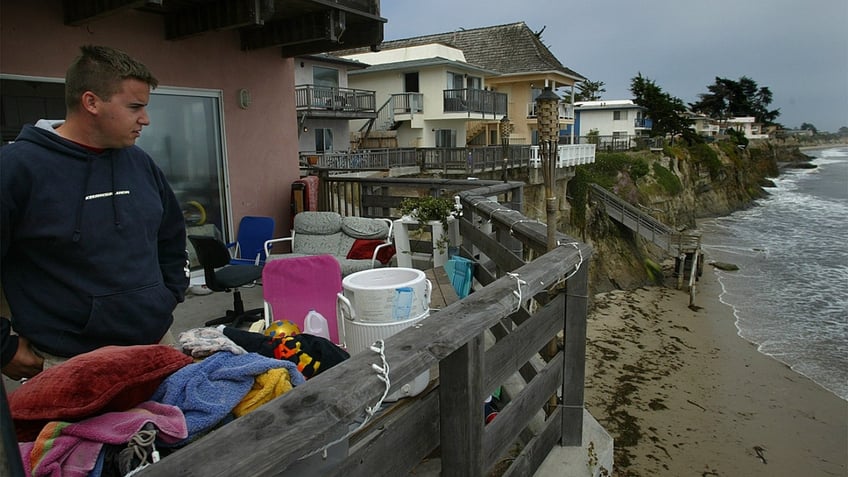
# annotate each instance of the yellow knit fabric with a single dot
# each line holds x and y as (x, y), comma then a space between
(266, 387)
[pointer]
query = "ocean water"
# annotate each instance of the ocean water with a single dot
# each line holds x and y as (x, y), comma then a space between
(790, 295)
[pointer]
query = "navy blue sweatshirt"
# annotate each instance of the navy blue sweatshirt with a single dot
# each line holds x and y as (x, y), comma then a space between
(93, 245)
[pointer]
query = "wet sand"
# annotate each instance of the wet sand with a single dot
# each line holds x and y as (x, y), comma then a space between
(682, 394)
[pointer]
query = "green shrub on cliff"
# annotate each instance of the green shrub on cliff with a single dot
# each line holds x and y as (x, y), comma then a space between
(729, 149)
(604, 172)
(578, 195)
(738, 137)
(608, 165)
(706, 156)
(676, 151)
(669, 182)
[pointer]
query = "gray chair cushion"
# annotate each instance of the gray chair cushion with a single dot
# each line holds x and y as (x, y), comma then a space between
(311, 244)
(317, 223)
(317, 233)
(365, 228)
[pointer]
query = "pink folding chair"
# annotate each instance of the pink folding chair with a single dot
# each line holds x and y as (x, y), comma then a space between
(292, 286)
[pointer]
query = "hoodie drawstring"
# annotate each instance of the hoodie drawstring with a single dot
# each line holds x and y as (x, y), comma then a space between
(114, 203)
(78, 226)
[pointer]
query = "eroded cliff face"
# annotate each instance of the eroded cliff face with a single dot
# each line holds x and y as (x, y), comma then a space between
(712, 184)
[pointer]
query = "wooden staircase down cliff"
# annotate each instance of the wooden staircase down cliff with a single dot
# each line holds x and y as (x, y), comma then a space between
(672, 242)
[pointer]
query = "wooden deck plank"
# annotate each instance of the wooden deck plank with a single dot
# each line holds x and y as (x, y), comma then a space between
(443, 292)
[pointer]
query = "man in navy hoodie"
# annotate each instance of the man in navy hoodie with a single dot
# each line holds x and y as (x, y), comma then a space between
(93, 238)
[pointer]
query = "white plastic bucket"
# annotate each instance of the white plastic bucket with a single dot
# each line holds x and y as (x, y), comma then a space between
(388, 294)
(358, 336)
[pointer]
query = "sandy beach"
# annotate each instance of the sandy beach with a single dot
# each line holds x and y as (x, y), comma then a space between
(682, 394)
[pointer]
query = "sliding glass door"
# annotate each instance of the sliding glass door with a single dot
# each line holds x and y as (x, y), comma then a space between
(185, 139)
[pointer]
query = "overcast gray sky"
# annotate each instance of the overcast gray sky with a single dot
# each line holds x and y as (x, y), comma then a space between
(798, 49)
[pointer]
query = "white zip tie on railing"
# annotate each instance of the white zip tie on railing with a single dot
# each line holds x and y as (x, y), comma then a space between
(579, 263)
(517, 293)
(499, 209)
(383, 375)
(523, 221)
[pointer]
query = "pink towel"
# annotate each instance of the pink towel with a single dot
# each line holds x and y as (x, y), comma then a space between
(295, 285)
(70, 449)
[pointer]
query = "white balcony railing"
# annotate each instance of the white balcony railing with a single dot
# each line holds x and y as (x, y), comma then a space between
(568, 155)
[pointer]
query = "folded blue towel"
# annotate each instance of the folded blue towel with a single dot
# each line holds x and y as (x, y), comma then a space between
(207, 391)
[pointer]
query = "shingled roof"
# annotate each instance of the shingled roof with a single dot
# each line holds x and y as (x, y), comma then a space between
(507, 49)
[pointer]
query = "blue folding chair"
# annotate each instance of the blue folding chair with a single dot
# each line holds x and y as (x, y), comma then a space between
(249, 247)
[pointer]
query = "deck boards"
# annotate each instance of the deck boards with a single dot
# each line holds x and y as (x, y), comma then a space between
(443, 292)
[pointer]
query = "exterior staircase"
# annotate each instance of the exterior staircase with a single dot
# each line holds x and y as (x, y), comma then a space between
(672, 242)
(473, 129)
(383, 123)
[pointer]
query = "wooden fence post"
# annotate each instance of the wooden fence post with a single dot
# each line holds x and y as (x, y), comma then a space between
(461, 410)
(574, 364)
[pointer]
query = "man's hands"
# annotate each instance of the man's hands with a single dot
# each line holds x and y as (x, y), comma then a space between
(26, 362)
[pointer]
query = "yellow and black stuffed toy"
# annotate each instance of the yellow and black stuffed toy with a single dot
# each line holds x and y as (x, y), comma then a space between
(312, 354)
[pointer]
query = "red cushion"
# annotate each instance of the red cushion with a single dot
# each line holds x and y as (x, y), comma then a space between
(113, 378)
(363, 249)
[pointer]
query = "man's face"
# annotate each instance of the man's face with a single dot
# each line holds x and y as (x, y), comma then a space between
(120, 119)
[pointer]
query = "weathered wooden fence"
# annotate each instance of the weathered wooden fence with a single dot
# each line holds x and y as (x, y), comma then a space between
(529, 297)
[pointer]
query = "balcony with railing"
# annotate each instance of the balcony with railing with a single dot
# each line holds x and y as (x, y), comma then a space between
(565, 111)
(621, 142)
(460, 161)
(475, 101)
(568, 155)
(407, 103)
(643, 123)
(331, 102)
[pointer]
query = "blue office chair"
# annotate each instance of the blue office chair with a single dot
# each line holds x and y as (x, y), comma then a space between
(249, 247)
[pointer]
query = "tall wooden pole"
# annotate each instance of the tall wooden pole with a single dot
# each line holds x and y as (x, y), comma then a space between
(505, 129)
(547, 117)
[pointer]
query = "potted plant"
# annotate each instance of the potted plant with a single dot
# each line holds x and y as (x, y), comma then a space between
(428, 209)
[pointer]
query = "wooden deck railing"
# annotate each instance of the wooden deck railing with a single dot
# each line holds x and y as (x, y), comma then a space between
(452, 160)
(474, 345)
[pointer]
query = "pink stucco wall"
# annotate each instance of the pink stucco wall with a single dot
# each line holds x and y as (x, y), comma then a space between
(261, 141)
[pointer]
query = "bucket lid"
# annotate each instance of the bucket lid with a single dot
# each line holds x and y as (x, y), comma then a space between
(379, 278)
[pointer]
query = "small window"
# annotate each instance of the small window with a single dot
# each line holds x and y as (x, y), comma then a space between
(619, 115)
(325, 76)
(323, 140)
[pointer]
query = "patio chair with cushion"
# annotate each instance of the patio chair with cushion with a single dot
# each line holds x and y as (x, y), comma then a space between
(357, 243)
